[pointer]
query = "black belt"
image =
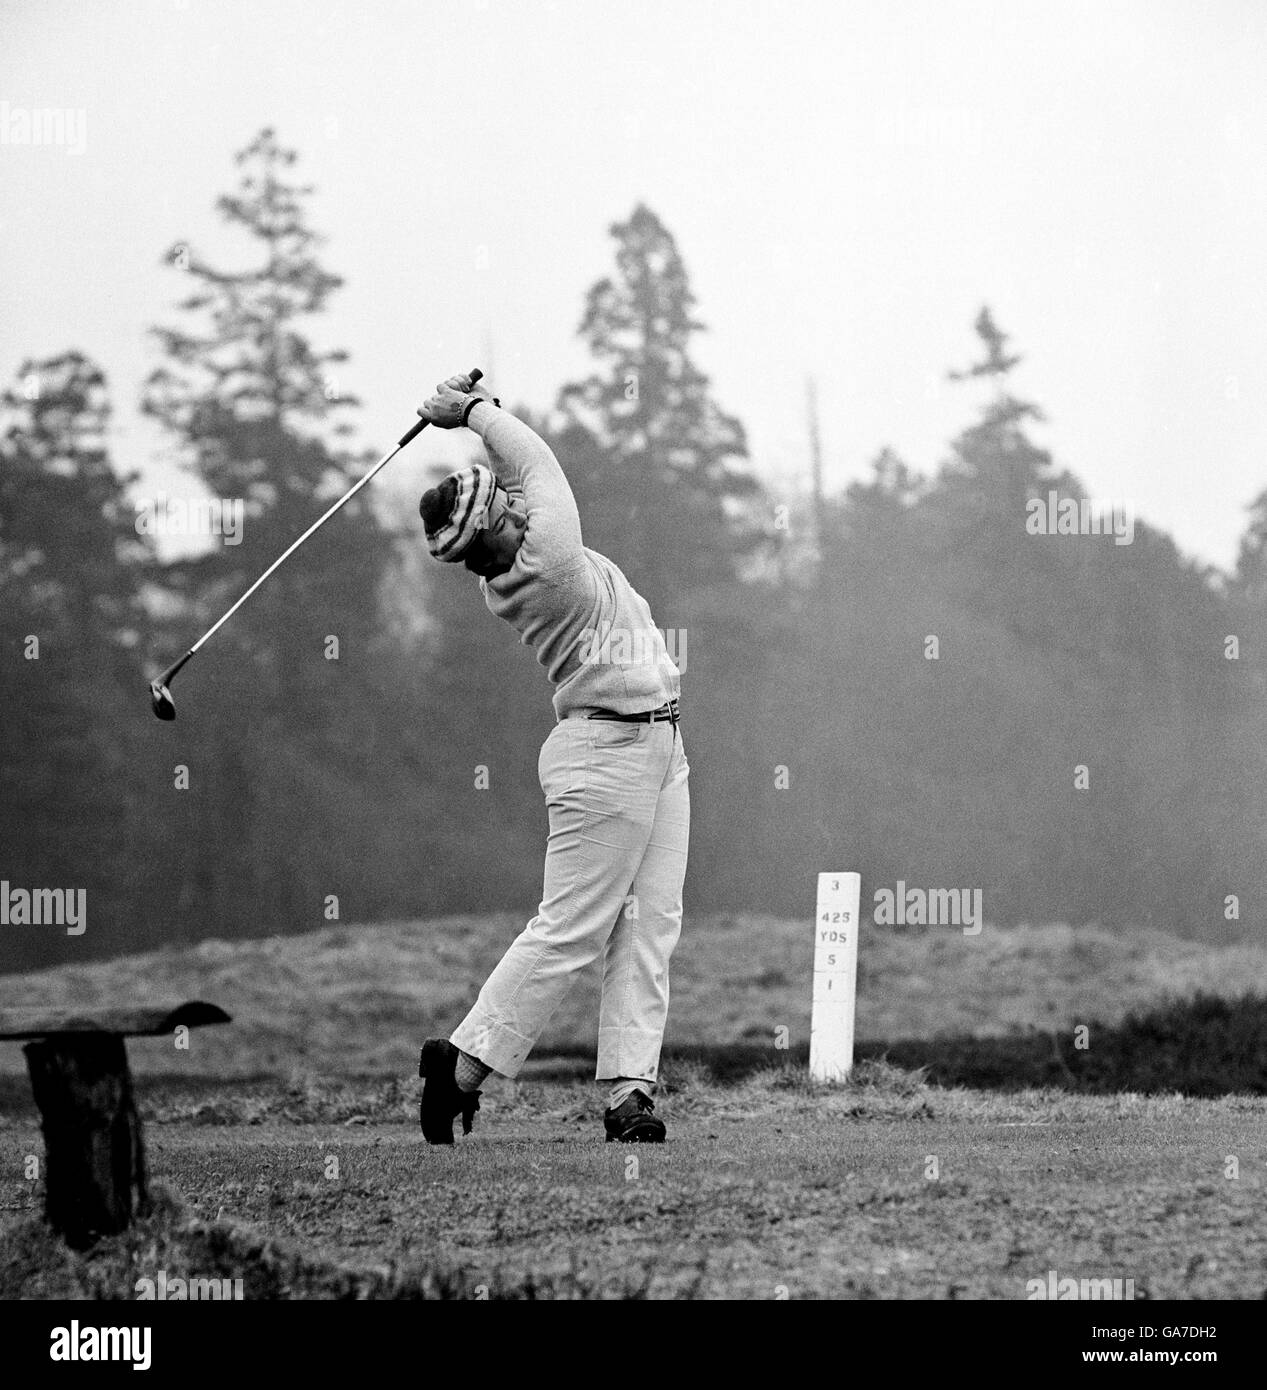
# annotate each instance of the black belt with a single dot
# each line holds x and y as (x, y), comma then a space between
(666, 713)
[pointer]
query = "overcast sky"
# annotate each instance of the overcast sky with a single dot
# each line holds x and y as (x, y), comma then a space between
(847, 182)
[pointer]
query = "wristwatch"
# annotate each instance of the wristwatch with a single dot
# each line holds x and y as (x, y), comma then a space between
(473, 401)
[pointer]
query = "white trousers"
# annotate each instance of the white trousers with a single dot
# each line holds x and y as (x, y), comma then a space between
(620, 815)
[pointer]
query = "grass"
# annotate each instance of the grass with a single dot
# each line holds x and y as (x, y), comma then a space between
(357, 1000)
(772, 1187)
(286, 1153)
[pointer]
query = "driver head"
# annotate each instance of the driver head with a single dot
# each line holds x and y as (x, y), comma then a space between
(161, 700)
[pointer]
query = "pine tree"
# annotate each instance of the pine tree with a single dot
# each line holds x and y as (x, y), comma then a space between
(279, 728)
(72, 570)
(1250, 581)
(979, 501)
(250, 401)
(656, 464)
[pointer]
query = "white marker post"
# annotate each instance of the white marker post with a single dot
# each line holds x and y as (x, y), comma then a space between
(835, 977)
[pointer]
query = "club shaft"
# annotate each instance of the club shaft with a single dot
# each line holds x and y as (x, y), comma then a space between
(294, 545)
(158, 686)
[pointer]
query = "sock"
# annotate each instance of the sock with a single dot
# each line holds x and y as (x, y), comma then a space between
(469, 1072)
(624, 1086)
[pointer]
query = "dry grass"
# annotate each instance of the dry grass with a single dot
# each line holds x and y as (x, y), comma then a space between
(357, 1000)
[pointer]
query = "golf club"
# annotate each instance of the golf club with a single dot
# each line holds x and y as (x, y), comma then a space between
(160, 687)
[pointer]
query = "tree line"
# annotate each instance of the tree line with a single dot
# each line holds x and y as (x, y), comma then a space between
(908, 677)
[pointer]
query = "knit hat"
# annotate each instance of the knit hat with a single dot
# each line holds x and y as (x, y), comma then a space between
(455, 510)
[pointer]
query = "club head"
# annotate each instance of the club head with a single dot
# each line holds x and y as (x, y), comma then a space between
(161, 700)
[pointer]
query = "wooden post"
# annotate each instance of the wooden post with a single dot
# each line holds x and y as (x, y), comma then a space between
(94, 1154)
(94, 1165)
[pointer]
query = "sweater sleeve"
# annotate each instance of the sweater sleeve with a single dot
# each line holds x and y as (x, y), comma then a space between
(527, 468)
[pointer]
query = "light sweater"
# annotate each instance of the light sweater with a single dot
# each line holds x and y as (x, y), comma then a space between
(589, 627)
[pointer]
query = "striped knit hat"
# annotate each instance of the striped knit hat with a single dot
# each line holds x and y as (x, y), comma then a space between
(455, 510)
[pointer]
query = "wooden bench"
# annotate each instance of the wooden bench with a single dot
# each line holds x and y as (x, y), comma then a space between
(94, 1167)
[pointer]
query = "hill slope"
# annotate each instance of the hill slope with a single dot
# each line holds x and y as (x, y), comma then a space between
(358, 1000)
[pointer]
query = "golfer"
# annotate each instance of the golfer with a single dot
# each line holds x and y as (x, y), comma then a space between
(613, 771)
